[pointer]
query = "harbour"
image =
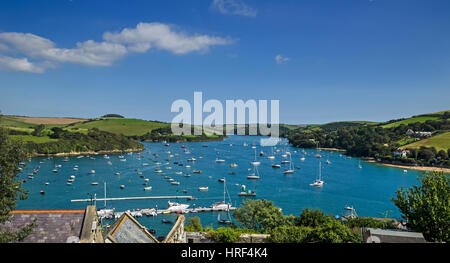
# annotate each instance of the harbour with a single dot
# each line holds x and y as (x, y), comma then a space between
(143, 183)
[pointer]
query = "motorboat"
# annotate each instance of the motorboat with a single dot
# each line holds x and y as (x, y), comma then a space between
(174, 207)
(203, 188)
(276, 166)
(243, 192)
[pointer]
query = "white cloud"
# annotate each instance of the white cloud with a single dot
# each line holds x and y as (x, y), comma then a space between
(161, 36)
(280, 59)
(113, 47)
(19, 64)
(234, 7)
(88, 53)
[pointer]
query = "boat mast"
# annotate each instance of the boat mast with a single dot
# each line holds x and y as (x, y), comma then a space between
(320, 171)
(105, 192)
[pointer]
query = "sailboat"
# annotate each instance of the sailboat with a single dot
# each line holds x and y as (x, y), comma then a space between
(271, 156)
(223, 221)
(359, 165)
(255, 162)
(223, 206)
(318, 182)
(255, 174)
(291, 168)
(219, 160)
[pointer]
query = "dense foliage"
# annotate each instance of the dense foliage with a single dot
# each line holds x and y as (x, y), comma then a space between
(375, 141)
(11, 155)
(165, 134)
(310, 227)
(426, 208)
(261, 215)
(95, 140)
(112, 116)
(313, 226)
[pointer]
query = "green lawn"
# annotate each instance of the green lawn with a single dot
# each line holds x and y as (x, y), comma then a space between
(30, 138)
(421, 119)
(8, 121)
(440, 142)
(127, 127)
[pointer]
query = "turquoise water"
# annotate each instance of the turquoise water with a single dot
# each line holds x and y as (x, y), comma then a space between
(368, 189)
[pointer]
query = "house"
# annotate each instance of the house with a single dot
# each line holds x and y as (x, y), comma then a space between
(409, 132)
(376, 235)
(58, 226)
(401, 153)
(423, 134)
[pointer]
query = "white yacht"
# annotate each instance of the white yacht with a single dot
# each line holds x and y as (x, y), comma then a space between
(174, 207)
(254, 175)
(255, 162)
(318, 182)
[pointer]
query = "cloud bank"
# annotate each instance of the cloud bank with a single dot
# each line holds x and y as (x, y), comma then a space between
(31, 53)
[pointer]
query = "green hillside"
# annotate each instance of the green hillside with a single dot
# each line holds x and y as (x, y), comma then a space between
(440, 142)
(419, 118)
(127, 127)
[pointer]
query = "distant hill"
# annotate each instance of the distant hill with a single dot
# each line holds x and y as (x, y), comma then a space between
(418, 118)
(127, 127)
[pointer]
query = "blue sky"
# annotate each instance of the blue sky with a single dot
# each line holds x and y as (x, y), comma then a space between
(337, 60)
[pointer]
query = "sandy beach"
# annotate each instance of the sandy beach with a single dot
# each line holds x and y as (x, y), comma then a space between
(419, 168)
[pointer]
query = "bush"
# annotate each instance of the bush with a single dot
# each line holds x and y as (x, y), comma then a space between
(194, 225)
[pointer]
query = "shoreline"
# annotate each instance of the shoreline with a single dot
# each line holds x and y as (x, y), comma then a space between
(418, 168)
(86, 153)
(332, 149)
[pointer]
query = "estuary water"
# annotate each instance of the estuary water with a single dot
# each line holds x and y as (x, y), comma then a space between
(368, 189)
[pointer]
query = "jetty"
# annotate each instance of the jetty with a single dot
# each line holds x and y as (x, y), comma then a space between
(188, 197)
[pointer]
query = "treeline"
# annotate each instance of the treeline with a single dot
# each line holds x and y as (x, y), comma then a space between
(374, 141)
(311, 226)
(95, 140)
(165, 134)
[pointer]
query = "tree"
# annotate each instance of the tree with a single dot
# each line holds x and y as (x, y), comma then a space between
(194, 225)
(442, 154)
(260, 215)
(38, 130)
(426, 208)
(11, 154)
(290, 234)
(312, 218)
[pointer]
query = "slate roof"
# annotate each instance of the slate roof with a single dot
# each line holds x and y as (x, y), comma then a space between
(376, 235)
(52, 226)
(127, 230)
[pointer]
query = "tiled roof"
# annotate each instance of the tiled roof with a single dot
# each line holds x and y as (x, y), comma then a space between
(52, 226)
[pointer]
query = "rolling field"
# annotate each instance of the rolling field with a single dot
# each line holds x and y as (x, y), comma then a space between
(421, 119)
(30, 138)
(127, 127)
(440, 142)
